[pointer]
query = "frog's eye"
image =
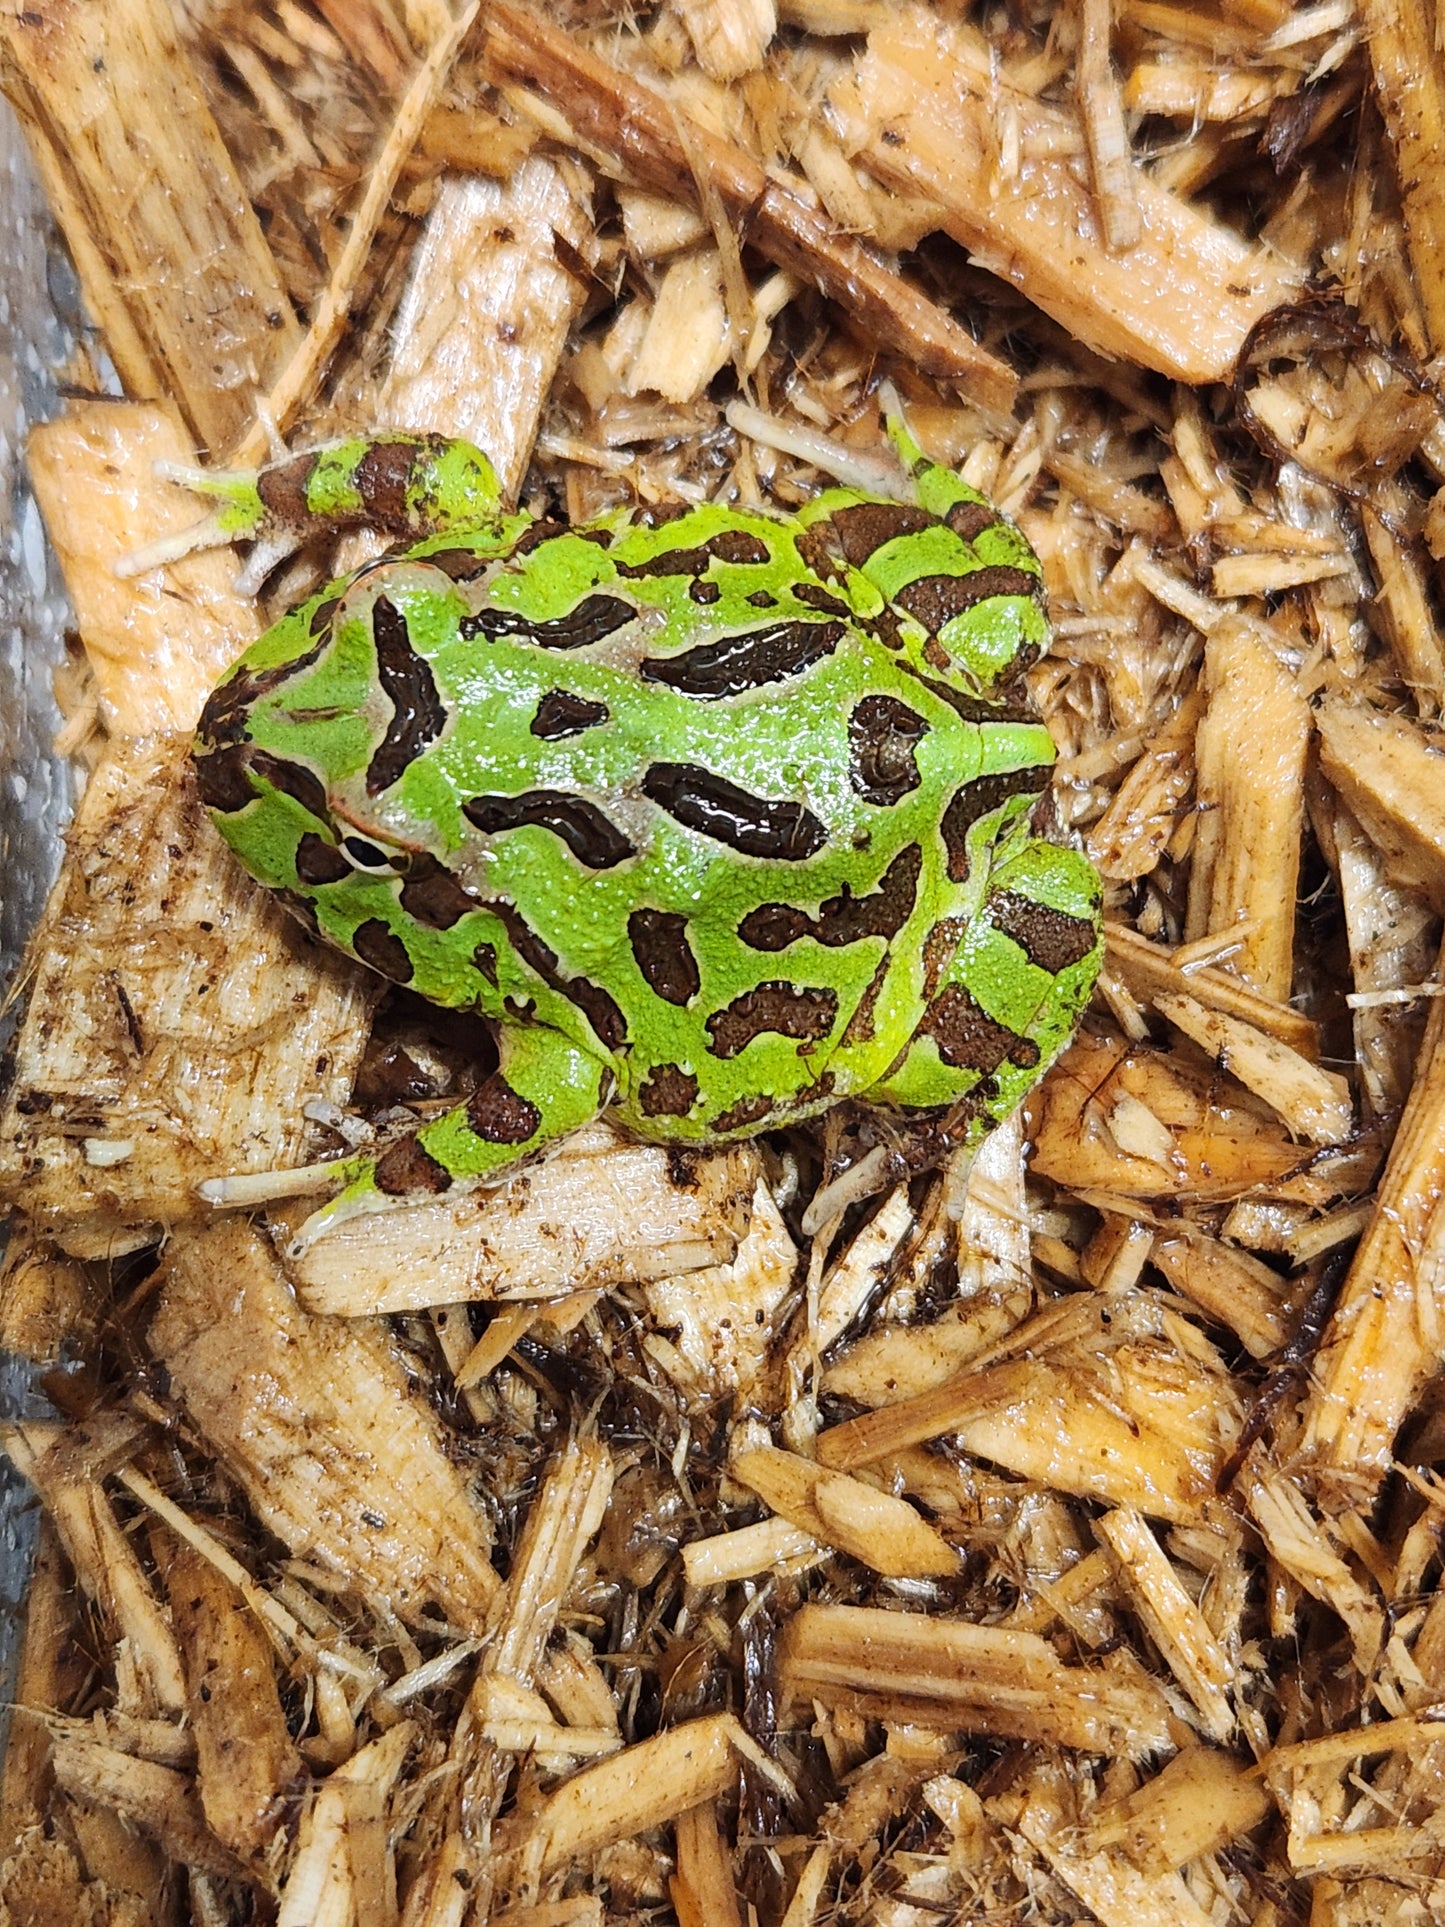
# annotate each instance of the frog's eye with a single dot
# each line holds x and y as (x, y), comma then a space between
(366, 856)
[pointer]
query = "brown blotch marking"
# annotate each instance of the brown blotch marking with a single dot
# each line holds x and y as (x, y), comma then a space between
(282, 489)
(1010, 702)
(940, 947)
(323, 612)
(968, 520)
(433, 895)
(732, 545)
(500, 1115)
(739, 545)
(1044, 818)
(525, 942)
(817, 597)
(705, 592)
(753, 825)
(383, 478)
(594, 618)
(746, 1115)
(844, 918)
(860, 1027)
(458, 565)
(1051, 939)
(749, 659)
(418, 714)
(563, 713)
(591, 836)
(763, 599)
(599, 1007)
(870, 525)
(818, 546)
(302, 785)
(318, 861)
(596, 1004)
(222, 777)
(806, 1015)
(937, 599)
(658, 514)
(663, 954)
(968, 1039)
(407, 1168)
(667, 1091)
(885, 627)
(529, 539)
(883, 739)
(484, 960)
(380, 947)
(978, 799)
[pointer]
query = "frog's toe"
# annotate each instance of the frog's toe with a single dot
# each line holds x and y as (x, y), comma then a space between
(360, 1197)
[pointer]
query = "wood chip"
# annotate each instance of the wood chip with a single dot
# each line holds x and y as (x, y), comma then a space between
(923, 113)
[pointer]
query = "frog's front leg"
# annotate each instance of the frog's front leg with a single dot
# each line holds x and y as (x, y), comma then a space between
(543, 1088)
(411, 486)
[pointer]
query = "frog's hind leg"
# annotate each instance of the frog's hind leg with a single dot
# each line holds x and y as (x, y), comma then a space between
(543, 1088)
(410, 486)
(944, 578)
(1003, 1008)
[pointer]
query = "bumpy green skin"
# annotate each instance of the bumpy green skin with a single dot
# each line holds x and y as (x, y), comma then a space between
(722, 820)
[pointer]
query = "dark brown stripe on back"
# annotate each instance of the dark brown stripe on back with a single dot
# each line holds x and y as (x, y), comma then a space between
(750, 659)
(226, 715)
(981, 798)
(867, 527)
(1051, 939)
(841, 919)
(418, 714)
(937, 599)
(752, 825)
(732, 545)
(591, 837)
(806, 1015)
(595, 617)
(563, 713)
(1009, 702)
(663, 954)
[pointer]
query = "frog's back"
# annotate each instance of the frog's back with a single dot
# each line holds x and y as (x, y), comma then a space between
(664, 788)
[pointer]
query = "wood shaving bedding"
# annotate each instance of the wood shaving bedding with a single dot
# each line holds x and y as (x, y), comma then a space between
(605, 1550)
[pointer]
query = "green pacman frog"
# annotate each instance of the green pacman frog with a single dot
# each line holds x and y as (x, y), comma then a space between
(720, 814)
